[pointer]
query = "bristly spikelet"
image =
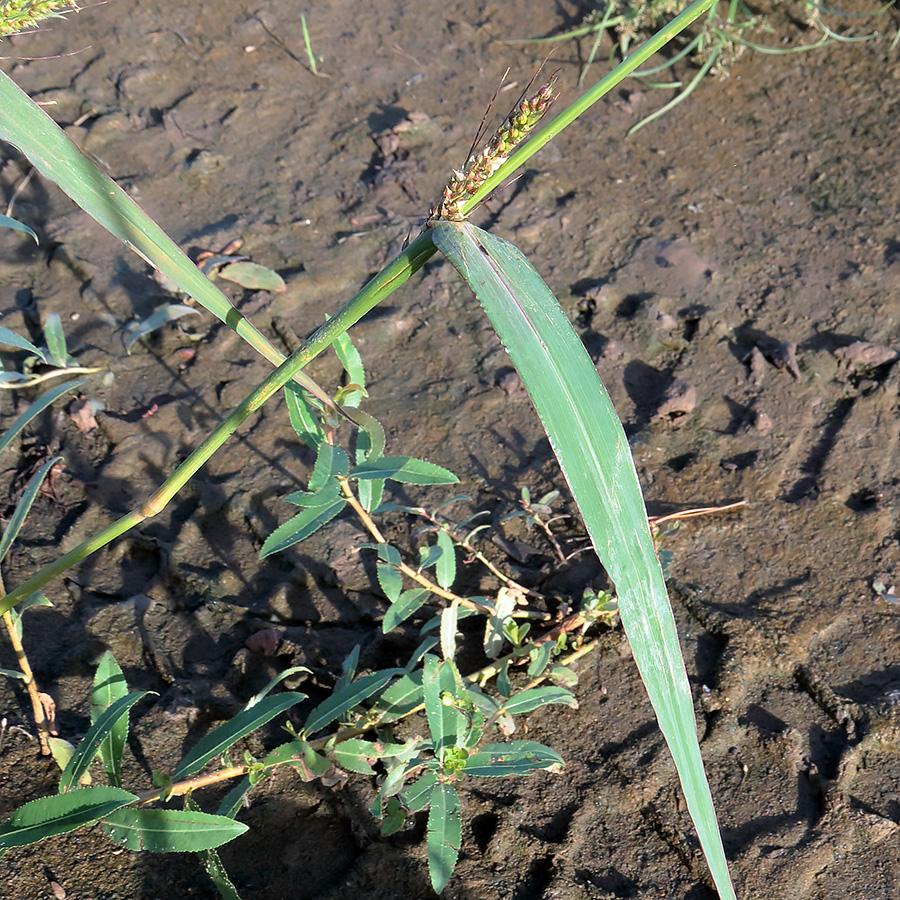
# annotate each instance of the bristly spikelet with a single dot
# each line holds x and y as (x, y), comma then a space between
(24, 15)
(518, 125)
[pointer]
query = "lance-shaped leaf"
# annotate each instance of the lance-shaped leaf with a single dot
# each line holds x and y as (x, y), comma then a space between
(446, 723)
(404, 469)
(110, 686)
(24, 505)
(593, 453)
(446, 564)
(16, 340)
(35, 408)
(16, 225)
(48, 816)
(300, 527)
(221, 738)
(534, 698)
(406, 604)
(514, 758)
(90, 744)
(170, 830)
(399, 699)
(343, 700)
(444, 834)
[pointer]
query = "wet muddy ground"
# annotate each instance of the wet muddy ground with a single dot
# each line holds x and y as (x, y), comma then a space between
(739, 249)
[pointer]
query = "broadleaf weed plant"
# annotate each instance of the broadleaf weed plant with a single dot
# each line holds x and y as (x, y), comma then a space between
(355, 729)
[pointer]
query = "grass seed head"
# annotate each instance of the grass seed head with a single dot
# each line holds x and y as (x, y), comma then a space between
(24, 15)
(521, 121)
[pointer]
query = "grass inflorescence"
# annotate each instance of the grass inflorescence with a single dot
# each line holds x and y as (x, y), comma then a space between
(25, 15)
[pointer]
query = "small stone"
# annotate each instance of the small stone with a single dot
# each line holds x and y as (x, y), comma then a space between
(679, 399)
(864, 355)
(762, 423)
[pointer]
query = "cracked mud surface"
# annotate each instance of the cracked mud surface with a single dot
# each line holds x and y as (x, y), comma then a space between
(718, 265)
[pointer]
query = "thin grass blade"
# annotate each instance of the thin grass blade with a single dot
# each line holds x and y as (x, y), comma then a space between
(39, 405)
(24, 506)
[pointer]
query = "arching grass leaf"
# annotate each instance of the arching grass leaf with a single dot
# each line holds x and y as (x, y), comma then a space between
(593, 453)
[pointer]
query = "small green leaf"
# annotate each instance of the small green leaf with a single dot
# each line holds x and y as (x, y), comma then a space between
(328, 495)
(36, 408)
(444, 834)
(12, 673)
(253, 276)
(16, 340)
(399, 699)
(342, 701)
(300, 527)
(330, 461)
(389, 577)
(16, 225)
(353, 366)
(564, 676)
(446, 564)
(90, 744)
(302, 415)
(446, 724)
(221, 738)
(495, 626)
(354, 754)
(406, 605)
(540, 658)
(58, 814)
(24, 505)
(526, 701)
(169, 830)
(405, 470)
(428, 556)
(62, 752)
(212, 862)
(418, 795)
(110, 686)
(170, 313)
(56, 340)
(514, 758)
(394, 817)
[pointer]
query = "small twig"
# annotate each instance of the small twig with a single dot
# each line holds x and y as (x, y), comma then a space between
(418, 577)
(656, 521)
(18, 190)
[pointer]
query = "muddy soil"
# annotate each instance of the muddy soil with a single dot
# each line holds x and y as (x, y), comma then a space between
(721, 265)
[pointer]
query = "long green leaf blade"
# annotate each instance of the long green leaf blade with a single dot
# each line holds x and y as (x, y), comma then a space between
(405, 470)
(26, 126)
(344, 699)
(38, 406)
(170, 830)
(90, 744)
(514, 758)
(444, 834)
(24, 505)
(48, 816)
(110, 686)
(593, 452)
(221, 738)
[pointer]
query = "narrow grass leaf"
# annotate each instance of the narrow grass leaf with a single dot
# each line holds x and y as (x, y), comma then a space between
(89, 745)
(170, 830)
(514, 758)
(221, 738)
(36, 408)
(342, 701)
(444, 834)
(24, 506)
(405, 470)
(48, 816)
(300, 527)
(11, 673)
(593, 453)
(12, 339)
(109, 686)
(407, 603)
(27, 127)
(16, 225)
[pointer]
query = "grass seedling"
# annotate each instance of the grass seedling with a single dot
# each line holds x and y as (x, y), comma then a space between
(307, 43)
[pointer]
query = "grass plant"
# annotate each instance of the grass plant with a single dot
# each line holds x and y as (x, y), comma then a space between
(351, 730)
(713, 44)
